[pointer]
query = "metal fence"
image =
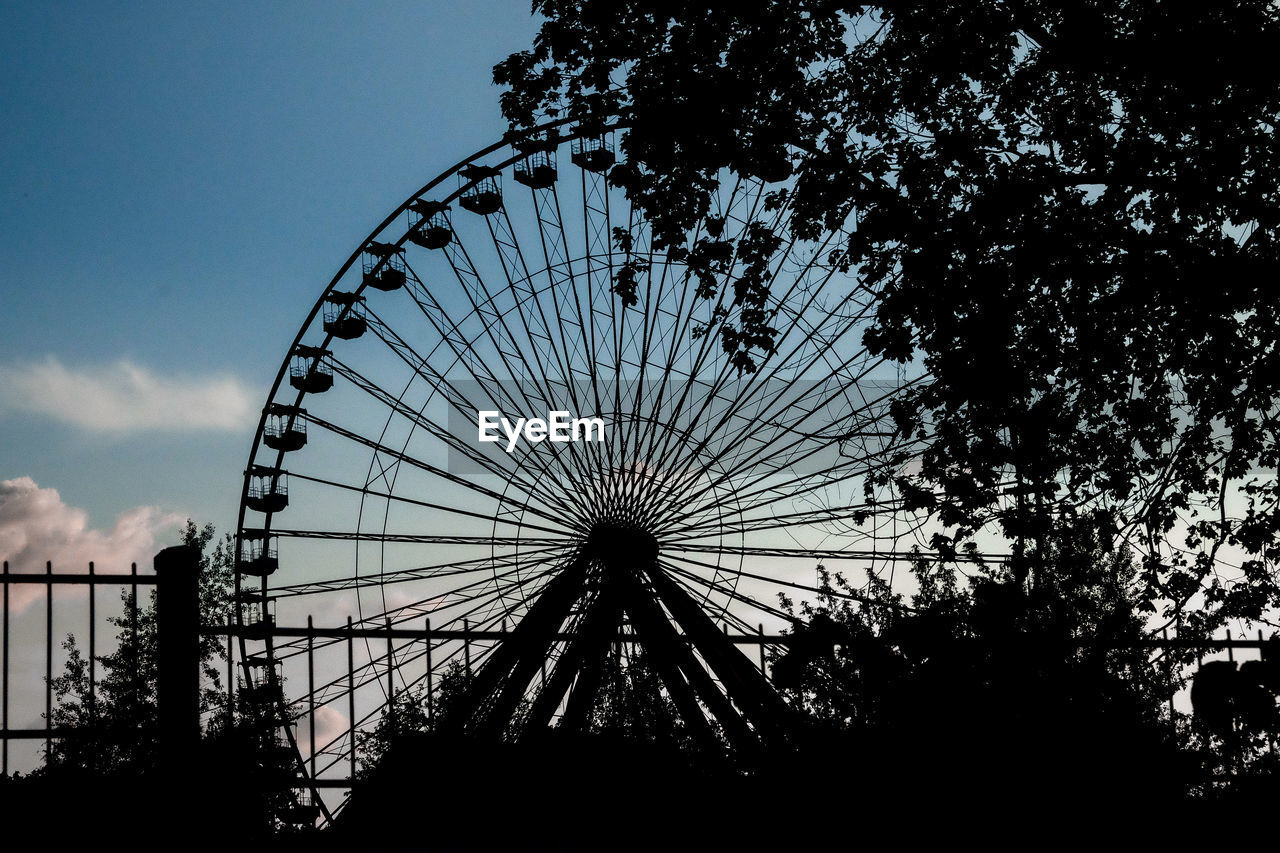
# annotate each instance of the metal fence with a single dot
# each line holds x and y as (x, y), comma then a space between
(36, 643)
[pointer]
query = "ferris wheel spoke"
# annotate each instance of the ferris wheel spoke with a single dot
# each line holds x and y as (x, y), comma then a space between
(508, 249)
(530, 583)
(457, 400)
(750, 393)
(806, 408)
(560, 279)
(464, 353)
(770, 458)
(824, 553)
(727, 369)
(394, 405)
(777, 491)
(450, 337)
(669, 451)
(754, 493)
(677, 336)
(556, 247)
(476, 594)
(617, 319)
(415, 538)
(753, 391)
(337, 687)
(688, 580)
(547, 513)
(692, 583)
(411, 612)
(732, 523)
(512, 475)
(461, 345)
(520, 282)
(696, 351)
(560, 269)
(489, 304)
(434, 571)
(404, 499)
(483, 303)
(816, 589)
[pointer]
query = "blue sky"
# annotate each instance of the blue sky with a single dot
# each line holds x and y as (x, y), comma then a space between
(180, 181)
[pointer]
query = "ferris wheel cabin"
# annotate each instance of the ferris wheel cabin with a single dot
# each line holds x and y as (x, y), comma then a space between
(256, 618)
(593, 153)
(384, 267)
(268, 489)
(481, 192)
(538, 167)
(308, 372)
(428, 225)
(258, 556)
(344, 315)
(286, 427)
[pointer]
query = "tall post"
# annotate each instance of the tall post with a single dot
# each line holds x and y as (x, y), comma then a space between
(178, 654)
(231, 678)
(48, 659)
(431, 686)
(1173, 720)
(351, 693)
(93, 661)
(134, 684)
(466, 645)
(1271, 734)
(4, 761)
(93, 648)
(311, 693)
(391, 683)
(760, 634)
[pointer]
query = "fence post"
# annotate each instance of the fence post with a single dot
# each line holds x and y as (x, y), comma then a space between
(4, 688)
(178, 654)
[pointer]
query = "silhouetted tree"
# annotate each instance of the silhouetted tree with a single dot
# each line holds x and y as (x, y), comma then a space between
(633, 704)
(404, 714)
(1067, 207)
(1237, 725)
(109, 761)
(115, 726)
(1043, 689)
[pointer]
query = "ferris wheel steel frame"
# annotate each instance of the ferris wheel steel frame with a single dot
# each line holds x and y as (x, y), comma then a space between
(648, 547)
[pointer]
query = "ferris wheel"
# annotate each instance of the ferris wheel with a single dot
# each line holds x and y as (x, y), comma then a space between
(478, 455)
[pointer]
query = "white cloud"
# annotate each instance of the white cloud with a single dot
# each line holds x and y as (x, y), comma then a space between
(331, 724)
(123, 397)
(36, 526)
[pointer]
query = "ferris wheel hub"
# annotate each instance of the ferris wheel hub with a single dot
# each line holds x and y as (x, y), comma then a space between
(621, 543)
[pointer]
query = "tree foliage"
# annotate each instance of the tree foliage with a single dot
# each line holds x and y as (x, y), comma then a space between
(404, 714)
(1068, 210)
(1051, 680)
(115, 725)
(631, 706)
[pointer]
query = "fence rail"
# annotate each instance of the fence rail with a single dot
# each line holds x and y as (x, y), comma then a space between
(134, 579)
(49, 579)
